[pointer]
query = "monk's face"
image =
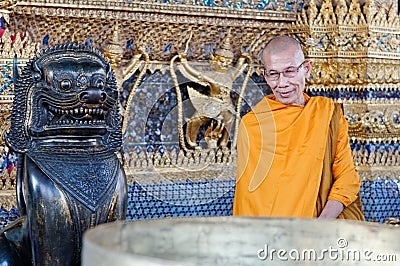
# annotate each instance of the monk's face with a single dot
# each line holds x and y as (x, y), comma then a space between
(285, 72)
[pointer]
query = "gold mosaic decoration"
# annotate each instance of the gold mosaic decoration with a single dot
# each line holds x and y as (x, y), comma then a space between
(355, 50)
(350, 44)
(149, 24)
(194, 165)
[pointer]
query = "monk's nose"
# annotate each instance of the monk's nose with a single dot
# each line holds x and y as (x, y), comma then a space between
(282, 80)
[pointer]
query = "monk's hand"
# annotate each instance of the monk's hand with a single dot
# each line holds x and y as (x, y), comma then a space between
(331, 210)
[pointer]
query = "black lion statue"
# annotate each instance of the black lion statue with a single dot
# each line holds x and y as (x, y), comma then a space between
(66, 128)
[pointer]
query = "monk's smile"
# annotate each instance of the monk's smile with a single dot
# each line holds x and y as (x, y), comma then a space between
(286, 94)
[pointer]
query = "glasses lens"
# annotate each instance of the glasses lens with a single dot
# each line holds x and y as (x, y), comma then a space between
(273, 76)
(290, 73)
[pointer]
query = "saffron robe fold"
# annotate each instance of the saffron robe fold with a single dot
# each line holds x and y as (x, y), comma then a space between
(280, 159)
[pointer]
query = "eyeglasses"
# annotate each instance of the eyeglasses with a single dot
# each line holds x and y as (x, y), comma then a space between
(290, 72)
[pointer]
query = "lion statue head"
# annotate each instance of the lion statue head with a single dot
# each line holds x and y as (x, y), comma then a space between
(66, 94)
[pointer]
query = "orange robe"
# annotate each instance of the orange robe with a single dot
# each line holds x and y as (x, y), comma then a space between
(280, 157)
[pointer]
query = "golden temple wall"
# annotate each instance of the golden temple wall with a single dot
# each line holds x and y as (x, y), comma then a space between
(354, 46)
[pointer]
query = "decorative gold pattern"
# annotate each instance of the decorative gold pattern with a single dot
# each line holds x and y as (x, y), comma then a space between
(5, 7)
(219, 76)
(364, 43)
(123, 70)
(8, 199)
(4, 125)
(7, 181)
(79, 20)
(193, 165)
(123, 9)
(369, 120)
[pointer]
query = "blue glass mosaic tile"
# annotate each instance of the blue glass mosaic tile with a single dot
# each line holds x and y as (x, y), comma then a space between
(144, 205)
(7, 79)
(288, 5)
(380, 199)
(357, 94)
(7, 216)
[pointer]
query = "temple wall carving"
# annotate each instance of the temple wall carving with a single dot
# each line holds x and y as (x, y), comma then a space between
(354, 46)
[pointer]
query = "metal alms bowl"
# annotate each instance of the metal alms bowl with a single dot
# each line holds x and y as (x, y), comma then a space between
(241, 241)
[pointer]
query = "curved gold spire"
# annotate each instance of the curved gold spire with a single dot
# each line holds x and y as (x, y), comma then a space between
(225, 49)
(112, 49)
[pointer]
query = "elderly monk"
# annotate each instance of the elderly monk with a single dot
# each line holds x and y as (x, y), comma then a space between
(294, 157)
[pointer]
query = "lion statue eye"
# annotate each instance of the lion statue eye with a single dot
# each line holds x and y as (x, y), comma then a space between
(99, 84)
(65, 84)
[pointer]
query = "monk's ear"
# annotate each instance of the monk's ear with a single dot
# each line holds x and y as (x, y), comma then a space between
(308, 68)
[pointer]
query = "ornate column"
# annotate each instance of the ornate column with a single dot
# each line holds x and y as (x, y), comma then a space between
(356, 52)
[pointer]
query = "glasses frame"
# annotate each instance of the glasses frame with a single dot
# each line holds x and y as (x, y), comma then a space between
(267, 76)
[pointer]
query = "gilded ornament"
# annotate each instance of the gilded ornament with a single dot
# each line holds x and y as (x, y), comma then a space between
(216, 106)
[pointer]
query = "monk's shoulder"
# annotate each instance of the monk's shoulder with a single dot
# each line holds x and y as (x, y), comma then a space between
(248, 118)
(261, 107)
(321, 101)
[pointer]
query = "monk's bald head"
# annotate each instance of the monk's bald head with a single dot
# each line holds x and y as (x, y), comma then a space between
(280, 44)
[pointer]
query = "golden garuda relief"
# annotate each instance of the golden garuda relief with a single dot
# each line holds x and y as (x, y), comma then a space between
(216, 106)
(124, 69)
